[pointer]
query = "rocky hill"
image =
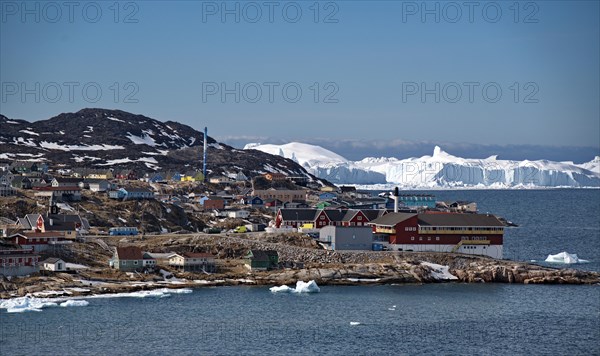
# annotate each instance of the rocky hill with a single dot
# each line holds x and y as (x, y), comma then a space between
(100, 138)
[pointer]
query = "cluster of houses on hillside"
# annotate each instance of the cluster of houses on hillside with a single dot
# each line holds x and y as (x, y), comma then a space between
(341, 218)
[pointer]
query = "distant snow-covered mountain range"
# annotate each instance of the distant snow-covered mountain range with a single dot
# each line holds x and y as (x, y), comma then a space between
(440, 170)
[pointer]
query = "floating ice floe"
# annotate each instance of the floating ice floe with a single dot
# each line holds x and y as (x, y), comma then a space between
(155, 293)
(301, 287)
(29, 303)
(23, 304)
(565, 257)
(74, 303)
(440, 272)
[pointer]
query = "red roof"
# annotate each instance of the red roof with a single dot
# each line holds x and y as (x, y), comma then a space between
(130, 253)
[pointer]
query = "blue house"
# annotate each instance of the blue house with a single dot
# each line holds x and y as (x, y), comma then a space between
(116, 194)
(176, 177)
(327, 196)
(202, 199)
(254, 201)
(156, 177)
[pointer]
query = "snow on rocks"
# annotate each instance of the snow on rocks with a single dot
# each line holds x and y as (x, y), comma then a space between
(439, 272)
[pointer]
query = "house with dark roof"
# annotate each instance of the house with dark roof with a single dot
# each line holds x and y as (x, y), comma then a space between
(66, 182)
(325, 217)
(21, 182)
(53, 264)
(70, 193)
(478, 234)
(262, 259)
(131, 258)
(23, 167)
(68, 224)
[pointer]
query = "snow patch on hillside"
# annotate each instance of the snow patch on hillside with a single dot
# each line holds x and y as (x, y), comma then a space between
(145, 139)
(29, 132)
(57, 146)
(114, 119)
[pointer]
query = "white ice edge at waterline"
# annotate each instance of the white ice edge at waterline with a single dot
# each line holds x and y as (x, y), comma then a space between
(31, 303)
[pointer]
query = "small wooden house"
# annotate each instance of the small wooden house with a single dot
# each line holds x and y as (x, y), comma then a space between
(262, 259)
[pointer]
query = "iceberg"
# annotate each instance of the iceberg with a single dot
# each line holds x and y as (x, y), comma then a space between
(75, 303)
(23, 304)
(565, 257)
(301, 287)
(31, 303)
(440, 170)
(155, 293)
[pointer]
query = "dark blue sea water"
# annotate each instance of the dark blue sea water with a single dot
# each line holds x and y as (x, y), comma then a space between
(478, 319)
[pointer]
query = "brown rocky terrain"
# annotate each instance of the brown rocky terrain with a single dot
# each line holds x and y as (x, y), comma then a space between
(325, 267)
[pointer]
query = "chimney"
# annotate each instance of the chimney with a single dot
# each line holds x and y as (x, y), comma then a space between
(395, 195)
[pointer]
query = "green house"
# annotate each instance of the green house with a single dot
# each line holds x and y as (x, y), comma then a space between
(262, 259)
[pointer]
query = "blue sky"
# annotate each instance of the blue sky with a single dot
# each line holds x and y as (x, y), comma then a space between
(371, 60)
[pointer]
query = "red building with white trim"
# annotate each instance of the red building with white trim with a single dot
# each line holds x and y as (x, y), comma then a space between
(39, 241)
(478, 234)
(18, 262)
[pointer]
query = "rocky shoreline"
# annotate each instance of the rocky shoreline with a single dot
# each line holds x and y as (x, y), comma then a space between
(427, 268)
(322, 266)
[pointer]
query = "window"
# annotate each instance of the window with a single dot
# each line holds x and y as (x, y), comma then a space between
(437, 238)
(412, 238)
(359, 218)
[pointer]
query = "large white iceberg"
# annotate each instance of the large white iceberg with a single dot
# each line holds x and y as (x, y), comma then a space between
(440, 170)
(565, 257)
(301, 287)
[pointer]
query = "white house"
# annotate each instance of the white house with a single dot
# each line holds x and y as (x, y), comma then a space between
(238, 214)
(53, 264)
(191, 262)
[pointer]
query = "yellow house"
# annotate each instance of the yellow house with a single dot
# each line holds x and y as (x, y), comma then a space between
(328, 189)
(100, 175)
